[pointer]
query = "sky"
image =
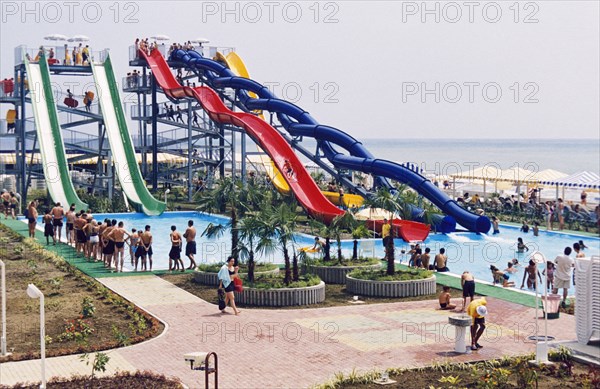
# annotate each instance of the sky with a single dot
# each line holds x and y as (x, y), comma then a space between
(377, 69)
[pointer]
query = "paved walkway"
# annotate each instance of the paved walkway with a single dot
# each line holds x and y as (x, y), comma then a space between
(295, 348)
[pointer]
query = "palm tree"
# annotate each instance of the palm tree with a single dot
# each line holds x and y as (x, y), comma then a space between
(392, 203)
(339, 225)
(324, 231)
(250, 230)
(281, 224)
(358, 232)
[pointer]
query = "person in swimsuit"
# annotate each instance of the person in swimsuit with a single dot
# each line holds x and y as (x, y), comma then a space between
(190, 244)
(530, 272)
(175, 253)
(226, 275)
(467, 282)
(146, 245)
(91, 230)
(70, 215)
(119, 236)
(549, 275)
(48, 227)
(133, 244)
(57, 220)
(13, 205)
(6, 202)
(108, 245)
(521, 247)
(561, 214)
(32, 215)
(444, 299)
(80, 239)
(495, 224)
(500, 277)
(441, 260)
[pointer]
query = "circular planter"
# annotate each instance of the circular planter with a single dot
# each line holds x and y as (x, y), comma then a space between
(337, 274)
(211, 279)
(391, 288)
(282, 297)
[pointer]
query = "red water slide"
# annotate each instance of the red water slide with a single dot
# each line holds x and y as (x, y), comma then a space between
(408, 230)
(306, 190)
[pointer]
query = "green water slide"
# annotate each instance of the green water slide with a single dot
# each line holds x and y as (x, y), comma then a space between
(52, 148)
(121, 144)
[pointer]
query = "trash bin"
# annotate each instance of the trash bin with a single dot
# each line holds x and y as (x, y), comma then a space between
(551, 305)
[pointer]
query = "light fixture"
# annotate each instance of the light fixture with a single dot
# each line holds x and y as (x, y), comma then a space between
(35, 293)
(3, 338)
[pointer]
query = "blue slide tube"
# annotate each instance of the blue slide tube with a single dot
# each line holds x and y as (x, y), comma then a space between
(300, 123)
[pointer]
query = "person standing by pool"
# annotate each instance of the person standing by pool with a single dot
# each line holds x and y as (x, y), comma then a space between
(550, 268)
(70, 216)
(426, 258)
(119, 236)
(495, 223)
(6, 202)
(134, 238)
(549, 215)
(226, 275)
(57, 220)
(385, 234)
(440, 261)
(175, 253)
(560, 210)
(146, 244)
(80, 238)
(108, 245)
(578, 254)
(48, 227)
(14, 201)
(91, 231)
(190, 244)
(467, 281)
(562, 274)
(478, 311)
(531, 271)
(32, 215)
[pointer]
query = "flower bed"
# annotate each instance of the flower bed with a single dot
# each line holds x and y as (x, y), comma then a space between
(336, 274)
(402, 284)
(209, 276)
(282, 297)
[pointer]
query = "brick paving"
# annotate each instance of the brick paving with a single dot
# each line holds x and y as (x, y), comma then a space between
(298, 348)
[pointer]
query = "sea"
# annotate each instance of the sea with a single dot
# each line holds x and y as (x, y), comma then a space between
(449, 156)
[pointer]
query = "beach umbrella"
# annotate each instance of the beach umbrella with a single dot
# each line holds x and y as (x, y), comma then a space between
(79, 38)
(56, 37)
(200, 40)
(160, 37)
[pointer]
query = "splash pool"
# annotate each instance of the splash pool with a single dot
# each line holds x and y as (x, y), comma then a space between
(465, 250)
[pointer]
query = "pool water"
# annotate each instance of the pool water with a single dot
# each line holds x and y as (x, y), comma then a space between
(465, 250)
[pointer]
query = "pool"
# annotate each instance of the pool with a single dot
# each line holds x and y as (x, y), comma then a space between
(465, 250)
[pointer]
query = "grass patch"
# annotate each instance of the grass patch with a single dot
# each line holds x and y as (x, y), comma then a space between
(347, 262)
(399, 275)
(121, 380)
(276, 282)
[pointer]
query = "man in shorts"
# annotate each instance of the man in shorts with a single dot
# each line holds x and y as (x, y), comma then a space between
(190, 244)
(57, 221)
(468, 286)
(175, 253)
(119, 236)
(6, 202)
(70, 215)
(478, 311)
(563, 274)
(80, 237)
(146, 246)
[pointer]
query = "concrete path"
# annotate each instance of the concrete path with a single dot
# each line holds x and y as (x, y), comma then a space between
(295, 348)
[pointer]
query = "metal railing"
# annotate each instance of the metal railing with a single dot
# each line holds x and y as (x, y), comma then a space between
(60, 55)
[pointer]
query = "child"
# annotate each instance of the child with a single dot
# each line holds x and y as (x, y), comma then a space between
(536, 229)
(444, 299)
(511, 269)
(550, 275)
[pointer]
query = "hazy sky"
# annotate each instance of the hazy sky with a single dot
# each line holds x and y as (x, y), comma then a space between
(373, 69)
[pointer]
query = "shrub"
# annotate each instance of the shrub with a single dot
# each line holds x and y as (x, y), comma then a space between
(87, 307)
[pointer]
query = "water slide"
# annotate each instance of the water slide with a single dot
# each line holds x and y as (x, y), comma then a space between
(52, 148)
(301, 183)
(237, 65)
(121, 144)
(299, 123)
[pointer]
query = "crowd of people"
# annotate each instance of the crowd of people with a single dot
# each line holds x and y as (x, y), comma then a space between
(10, 202)
(108, 241)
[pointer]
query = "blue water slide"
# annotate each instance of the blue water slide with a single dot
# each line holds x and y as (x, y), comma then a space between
(300, 123)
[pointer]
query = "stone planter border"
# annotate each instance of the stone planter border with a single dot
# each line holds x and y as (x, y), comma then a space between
(211, 279)
(282, 297)
(337, 274)
(391, 288)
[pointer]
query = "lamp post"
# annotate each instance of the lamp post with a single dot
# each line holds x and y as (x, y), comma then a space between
(541, 348)
(3, 286)
(166, 193)
(34, 293)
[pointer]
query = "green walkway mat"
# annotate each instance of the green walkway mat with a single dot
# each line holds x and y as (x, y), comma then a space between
(92, 269)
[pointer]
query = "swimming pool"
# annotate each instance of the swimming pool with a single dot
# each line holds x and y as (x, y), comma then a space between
(465, 250)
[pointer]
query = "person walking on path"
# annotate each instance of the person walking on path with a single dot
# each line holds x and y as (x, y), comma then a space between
(467, 281)
(562, 274)
(478, 311)
(190, 244)
(226, 275)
